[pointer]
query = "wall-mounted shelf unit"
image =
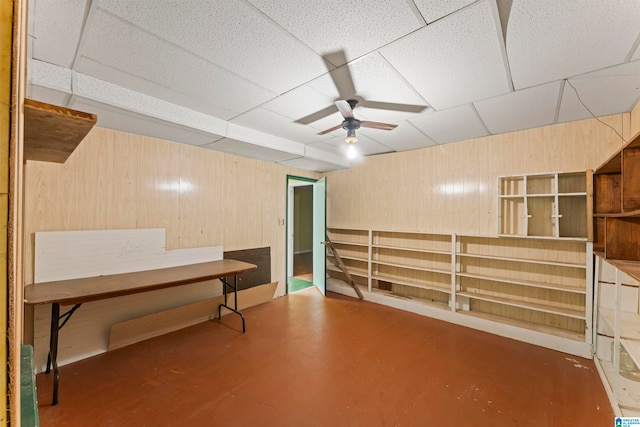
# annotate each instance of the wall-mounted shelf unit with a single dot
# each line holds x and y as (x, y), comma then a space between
(51, 132)
(552, 205)
(535, 290)
(616, 205)
(618, 337)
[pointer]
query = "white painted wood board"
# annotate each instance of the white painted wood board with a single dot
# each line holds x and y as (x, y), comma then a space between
(88, 253)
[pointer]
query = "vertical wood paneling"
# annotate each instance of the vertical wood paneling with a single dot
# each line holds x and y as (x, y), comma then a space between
(200, 197)
(159, 187)
(455, 185)
(117, 180)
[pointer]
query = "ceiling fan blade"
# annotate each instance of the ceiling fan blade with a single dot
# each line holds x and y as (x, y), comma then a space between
(378, 125)
(330, 129)
(341, 75)
(407, 108)
(325, 112)
(345, 109)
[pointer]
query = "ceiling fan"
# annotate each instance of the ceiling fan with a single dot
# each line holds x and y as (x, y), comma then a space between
(351, 124)
(347, 101)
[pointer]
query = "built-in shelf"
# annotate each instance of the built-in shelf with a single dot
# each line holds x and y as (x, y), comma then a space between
(550, 205)
(51, 132)
(542, 285)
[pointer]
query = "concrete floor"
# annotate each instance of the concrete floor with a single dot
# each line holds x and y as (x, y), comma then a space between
(312, 361)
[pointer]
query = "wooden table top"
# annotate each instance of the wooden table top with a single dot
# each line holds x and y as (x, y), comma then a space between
(77, 291)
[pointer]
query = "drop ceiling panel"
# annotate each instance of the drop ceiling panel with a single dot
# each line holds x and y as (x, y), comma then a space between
(245, 149)
(404, 137)
(299, 103)
(123, 120)
(229, 33)
(549, 40)
(527, 108)
(436, 9)
(117, 49)
(51, 96)
(306, 163)
(610, 91)
(455, 60)
(160, 91)
(357, 26)
(275, 124)
(58, 29)
(365, 145)
(454, 124)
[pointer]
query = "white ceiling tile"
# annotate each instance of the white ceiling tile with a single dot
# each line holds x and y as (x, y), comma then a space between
(299, 103)
(136, 102)
(245, 149)
(306, 163)
(610, 91)
(549, 40)
(436, 9)
(230, 33)
(141, 84)
(272, 123)
(454, 124)
(58, 29)
(365, 145)
(527, 108)
(456, 60)
(355, 26)
(49, 75)
(115, 47)
(636, 54)
(51, 96)
(404, 137)
(126, 121)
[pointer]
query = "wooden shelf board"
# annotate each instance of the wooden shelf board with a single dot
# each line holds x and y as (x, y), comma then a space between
(430, 287)
(352, 271)
(51, 133)
(576, 194)
(349, 257)
(523, 260)
(629, 323)
(555, 287)
(628, 214)
(427, 251)
(632, 268)
(411, 267)
(576, 314)
(342, 242)
(526, 325)
(628, 390)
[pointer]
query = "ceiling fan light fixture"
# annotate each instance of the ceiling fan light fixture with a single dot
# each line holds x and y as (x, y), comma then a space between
(351, 136)
(352, 152)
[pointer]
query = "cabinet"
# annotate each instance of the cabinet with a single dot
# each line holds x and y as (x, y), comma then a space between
(535, 290)
(616, 205)
(618, 337)
(553, 205)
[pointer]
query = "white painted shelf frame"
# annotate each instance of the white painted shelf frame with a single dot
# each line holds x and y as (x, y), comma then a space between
(541, 286)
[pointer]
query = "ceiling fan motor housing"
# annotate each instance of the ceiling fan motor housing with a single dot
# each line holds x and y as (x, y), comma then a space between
(351, 123)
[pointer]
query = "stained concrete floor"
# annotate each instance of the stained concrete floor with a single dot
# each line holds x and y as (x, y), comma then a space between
(312, 361)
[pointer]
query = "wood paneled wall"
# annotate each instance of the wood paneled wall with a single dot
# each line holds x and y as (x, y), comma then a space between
(454, 187)
(119, 180)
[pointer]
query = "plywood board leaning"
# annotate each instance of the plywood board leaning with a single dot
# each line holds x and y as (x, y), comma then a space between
(153, 325)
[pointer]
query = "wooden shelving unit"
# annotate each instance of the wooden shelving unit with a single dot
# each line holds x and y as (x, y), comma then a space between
(53, 132)
(539, 286)
(551, 205)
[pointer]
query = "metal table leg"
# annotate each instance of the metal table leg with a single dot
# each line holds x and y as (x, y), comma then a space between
(52, 358)
(234, 287)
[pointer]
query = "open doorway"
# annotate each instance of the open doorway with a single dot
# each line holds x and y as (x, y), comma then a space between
(306, 211)
(300, 232)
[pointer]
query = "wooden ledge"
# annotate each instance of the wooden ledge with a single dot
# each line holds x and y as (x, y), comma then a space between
(51, 132)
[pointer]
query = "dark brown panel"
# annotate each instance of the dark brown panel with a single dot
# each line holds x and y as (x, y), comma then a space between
(622, 237)
(607, 193)
(258, 256)
(631, 179)
(598, 234)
